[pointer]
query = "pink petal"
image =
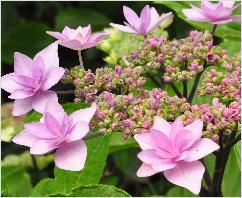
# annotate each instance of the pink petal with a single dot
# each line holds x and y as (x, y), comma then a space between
(72, 44)
(42, 98)
(209, 5)
(228, 3)
(145, 18)
(88, 45)
(157, 22)
(162, 125)
(131, 17)
(176, 126)
(39, 130)
(38, 69)
(86, 31)
(223, 21)
(84, 115)
(21, 94)
(123, 28)
(145, 171)
(158, 164)
(161, 141)
(50, 56)
(22, 64)
(145, 141)
(22, 106)
(56, 110)
(53, 77)
(78, 131)
(235, 18)
(187, 174)
(67, 31)
(195, 15)
(43, 146)
(71, 156)
(196, 128)
(57, 35)
(200, 149)
(24, 138)
(96, 37)
(52, 124)
(8, 83)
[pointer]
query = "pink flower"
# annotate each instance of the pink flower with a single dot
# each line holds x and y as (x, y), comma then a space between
(31, 80)
(78, 39)
(215, 13)
(148, 20)
(175, 149)
(57, 130)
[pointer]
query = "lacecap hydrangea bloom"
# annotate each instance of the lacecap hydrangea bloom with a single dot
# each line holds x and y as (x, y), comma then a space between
(215, 13)
(149, 19)
(57, 130)
(31, 80)
(175, 149)
(78, 39)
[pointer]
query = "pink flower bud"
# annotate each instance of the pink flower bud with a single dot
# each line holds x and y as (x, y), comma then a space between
(77, 100)
(76, 81)
(160, 58)
(215, 137)
(127, 122)
(146, 125)
(118, 69)
(169, 69)
(100, 115)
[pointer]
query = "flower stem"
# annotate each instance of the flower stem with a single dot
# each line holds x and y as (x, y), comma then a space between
(184, 88)
(65, 92)
(214, 29)
(178, 93)
(80, 58)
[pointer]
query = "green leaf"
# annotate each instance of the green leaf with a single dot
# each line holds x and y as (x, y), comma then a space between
(97, 151)
(15, 181)
(81, 17)
(117, 142)
(25, 37)
(231, 184)
(237, 151)
(99, 190)
(227, 31)
(231, 46)
(179, 192)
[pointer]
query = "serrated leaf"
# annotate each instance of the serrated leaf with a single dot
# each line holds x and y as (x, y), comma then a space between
(99, 190)
(223, 31)
(65, 181)
(81, 17)
(15, 181)
(25, 37)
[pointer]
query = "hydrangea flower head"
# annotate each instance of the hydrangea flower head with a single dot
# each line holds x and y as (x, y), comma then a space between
(215, 13)
(57, 130)
(148, 20)
(175, 149)
(31, 80)
(78, 39)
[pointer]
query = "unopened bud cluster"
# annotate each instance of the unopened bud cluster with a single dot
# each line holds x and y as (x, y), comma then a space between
(133, 114)
(178, 59)
(223, 83)
(118, 80)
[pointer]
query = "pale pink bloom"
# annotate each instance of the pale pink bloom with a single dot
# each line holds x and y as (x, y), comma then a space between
(175, 149)
(31, 80)
(148, 20)
(57, 130)
(215, 13)
(78, 39)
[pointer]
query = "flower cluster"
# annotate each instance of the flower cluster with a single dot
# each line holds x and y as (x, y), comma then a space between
(118, 80)
(178, 59)
(217, 117)
(132, 114)
(223, 83)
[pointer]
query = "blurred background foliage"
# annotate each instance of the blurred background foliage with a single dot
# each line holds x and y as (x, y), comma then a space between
(24, 26)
